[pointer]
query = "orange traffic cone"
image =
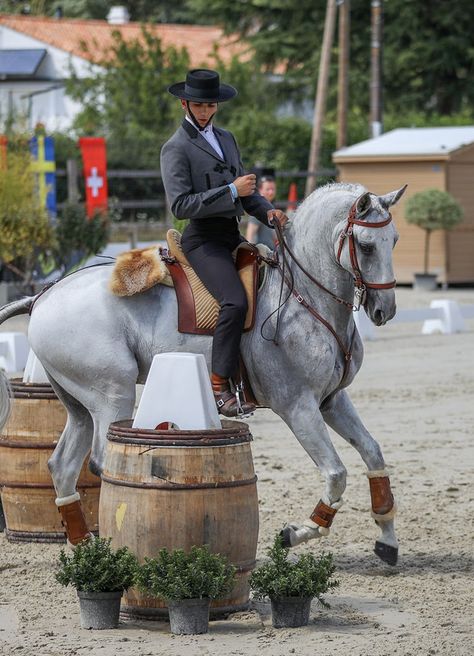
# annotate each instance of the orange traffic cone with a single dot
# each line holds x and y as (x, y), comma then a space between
(292, 197)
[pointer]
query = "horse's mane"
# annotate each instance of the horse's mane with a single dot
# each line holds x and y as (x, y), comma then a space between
(325, 193)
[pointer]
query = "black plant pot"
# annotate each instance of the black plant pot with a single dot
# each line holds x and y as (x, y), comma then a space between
(189, 616)
(290, 611)
(99, 610)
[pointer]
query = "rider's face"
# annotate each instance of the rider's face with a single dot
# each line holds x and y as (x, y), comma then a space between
(201, 111)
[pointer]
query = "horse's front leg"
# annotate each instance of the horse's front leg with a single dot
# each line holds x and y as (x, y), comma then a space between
(342, 417)
(307, 424)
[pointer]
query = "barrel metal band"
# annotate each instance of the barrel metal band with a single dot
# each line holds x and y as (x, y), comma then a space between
(27, 445)
(178, 486)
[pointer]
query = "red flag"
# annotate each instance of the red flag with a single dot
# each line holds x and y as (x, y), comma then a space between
(94, 158)
(3, 151)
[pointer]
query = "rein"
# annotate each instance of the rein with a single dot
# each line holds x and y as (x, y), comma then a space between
(359, 283)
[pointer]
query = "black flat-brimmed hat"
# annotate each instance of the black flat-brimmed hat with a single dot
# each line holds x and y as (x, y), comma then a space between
(202, 85)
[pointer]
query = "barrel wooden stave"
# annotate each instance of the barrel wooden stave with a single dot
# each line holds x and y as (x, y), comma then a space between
(27, 441)
(177, 497)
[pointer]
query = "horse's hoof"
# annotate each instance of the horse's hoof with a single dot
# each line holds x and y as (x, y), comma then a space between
(386, 553)
(285, 535)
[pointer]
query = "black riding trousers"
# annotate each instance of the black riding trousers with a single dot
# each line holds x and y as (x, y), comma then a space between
(213, 263)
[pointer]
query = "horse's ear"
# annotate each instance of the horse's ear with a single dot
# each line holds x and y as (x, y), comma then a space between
(393, 197)
(363, 204)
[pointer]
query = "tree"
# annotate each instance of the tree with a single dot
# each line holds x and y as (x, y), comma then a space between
(165, 11)
(25, 230)
(127, 100)
(78, 236)
(430, 210)
(428, 56)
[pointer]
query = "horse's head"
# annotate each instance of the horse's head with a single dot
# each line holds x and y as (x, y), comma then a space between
(363, 245)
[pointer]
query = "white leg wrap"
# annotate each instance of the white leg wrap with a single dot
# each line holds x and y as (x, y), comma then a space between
(387, 517)
(377, 473)
(65, 501)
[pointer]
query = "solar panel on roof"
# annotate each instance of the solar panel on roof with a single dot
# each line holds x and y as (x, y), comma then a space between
(20, 62)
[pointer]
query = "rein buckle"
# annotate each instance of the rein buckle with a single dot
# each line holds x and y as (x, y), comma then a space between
(299, 298)
(359, 297)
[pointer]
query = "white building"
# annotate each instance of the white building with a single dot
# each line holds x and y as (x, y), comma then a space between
(36, 55)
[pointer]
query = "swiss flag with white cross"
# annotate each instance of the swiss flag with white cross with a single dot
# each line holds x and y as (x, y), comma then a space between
(94, 157)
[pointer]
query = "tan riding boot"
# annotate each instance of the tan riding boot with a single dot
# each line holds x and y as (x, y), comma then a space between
(226, 401)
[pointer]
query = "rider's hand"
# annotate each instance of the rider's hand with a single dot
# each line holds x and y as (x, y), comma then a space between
(279, 216)
(246, 184)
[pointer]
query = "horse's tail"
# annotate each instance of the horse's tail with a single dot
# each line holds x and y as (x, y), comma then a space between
(21, 306)
(10, 310)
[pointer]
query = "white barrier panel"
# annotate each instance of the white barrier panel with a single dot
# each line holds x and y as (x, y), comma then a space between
(34, 370)
(178, 391)
(443, 316)
(13, 352)
(449, 322)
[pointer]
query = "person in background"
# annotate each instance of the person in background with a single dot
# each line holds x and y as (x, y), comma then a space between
(257, 232)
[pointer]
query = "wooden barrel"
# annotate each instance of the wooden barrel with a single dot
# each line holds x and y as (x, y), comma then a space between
(26, 443)
(176, 489)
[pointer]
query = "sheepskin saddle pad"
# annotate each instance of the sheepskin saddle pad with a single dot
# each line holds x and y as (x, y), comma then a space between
(140, 269)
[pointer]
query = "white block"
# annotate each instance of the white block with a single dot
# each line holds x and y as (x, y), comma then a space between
(13, 351)
(34, 370)
(451, 320)
(178, 390)
(364, 324)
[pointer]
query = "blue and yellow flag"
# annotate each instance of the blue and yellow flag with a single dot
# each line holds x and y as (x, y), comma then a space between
(44, 166)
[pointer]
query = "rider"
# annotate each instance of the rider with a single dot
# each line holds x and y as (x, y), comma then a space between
(205, 182)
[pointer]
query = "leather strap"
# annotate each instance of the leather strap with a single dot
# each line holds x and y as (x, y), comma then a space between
(323, 515)
(74, 522)
(381, 495)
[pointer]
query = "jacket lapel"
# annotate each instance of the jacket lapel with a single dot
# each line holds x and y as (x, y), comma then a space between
(199, 141)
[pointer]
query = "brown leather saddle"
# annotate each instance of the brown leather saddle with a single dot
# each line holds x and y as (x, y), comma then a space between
(198, 310)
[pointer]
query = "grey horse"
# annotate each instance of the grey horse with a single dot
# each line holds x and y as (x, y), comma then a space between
(95, 347)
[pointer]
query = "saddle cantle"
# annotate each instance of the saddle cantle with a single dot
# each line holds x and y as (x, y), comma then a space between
(198, 310)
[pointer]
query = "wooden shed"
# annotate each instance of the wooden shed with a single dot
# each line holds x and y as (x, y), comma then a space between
(424, 158)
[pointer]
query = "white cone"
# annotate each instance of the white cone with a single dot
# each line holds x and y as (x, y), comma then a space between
(34, 370)
(178, 390)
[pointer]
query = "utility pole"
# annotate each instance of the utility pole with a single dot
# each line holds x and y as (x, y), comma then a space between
(321, 95)
(343, 71)
(376, 124)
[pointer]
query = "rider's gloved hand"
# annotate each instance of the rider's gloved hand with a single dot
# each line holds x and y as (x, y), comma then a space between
(278, 216)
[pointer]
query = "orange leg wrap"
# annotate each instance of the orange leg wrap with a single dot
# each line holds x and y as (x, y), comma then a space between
(74, 522)
(381, 495)
(323, 514)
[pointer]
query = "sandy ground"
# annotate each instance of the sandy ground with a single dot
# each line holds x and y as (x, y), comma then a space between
(415, 395)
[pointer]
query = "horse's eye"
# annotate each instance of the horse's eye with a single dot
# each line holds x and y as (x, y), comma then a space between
(367, 248)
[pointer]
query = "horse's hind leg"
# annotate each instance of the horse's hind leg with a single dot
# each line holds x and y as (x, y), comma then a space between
(307, 424)
(342, 417)
(66, 462)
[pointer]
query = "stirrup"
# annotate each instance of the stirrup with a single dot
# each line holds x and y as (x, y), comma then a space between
(231, 405)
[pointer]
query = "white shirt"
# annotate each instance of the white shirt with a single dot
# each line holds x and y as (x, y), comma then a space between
(210, 137)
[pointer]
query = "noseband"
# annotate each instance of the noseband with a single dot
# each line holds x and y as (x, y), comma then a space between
(361, 285)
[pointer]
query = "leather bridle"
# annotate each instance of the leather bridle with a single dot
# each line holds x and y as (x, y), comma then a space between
(360, 284)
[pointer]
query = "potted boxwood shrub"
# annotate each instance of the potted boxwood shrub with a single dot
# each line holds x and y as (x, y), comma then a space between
(100, 576)
(187, 581)
(431, 209)
(291, 585)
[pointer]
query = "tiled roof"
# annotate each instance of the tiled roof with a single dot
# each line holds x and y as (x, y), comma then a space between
(68, 34)
(414, 142)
